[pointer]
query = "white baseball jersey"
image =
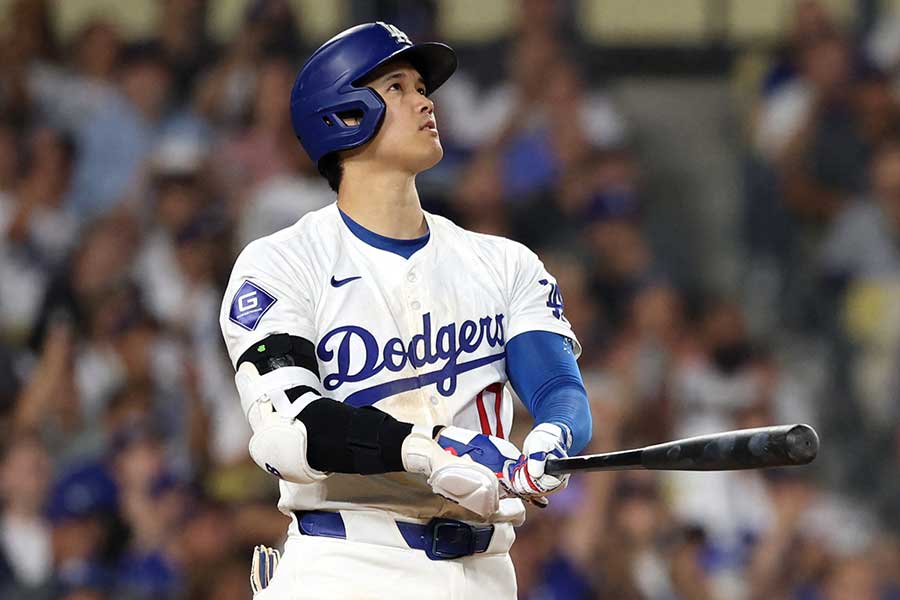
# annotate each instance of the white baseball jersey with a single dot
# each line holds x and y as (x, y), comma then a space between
(422, 339)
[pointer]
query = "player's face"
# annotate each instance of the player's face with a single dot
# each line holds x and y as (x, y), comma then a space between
(408, 137)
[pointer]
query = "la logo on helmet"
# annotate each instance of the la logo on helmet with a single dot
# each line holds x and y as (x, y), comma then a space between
(395, 33)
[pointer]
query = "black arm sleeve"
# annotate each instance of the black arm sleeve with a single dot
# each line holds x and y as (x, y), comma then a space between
(346, 439)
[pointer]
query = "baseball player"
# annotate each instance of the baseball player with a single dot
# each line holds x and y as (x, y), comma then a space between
(376, 347)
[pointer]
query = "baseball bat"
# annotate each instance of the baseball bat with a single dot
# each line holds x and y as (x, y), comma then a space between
(775, 446)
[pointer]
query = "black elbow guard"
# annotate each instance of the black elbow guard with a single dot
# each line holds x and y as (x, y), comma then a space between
(346, 439)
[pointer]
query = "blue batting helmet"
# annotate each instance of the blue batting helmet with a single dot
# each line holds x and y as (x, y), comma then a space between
(327, 86)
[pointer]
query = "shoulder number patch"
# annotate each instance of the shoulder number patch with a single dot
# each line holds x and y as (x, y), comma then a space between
(250, 303)
(554, 298)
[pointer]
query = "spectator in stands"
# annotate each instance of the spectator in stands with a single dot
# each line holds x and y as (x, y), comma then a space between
(716, 377)
(882, 43)
(185, 44)
(199, 263)
(179, 267)
(861, 267)
(267, 147)
(545, 572)
(98, 49)
(82, 508)
(180, 196)
(643, 356)
(64, 94)
(36, 220)
(821, 151)
(538, 121)
(862, 243)
(820, 68)
(621, 259)
(478, 198)
(720, 381)
(275, 25)
(803, 554)
(205, 382)
(36, 232)
(811, 21)
(49, 404)
(30, 30)
(151, 507)
(100, 262)
(557, 216)
(115, 139)
(27, 44)
(225, 94)
(280, 200)
(631, 556)
(26, 555)
(206, 543)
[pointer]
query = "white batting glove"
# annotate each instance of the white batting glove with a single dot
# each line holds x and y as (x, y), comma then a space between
(262, 569)
(528, 477)
(497, 454)
(457, 478)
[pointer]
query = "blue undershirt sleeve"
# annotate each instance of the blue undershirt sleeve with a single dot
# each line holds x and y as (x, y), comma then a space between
(542, 370)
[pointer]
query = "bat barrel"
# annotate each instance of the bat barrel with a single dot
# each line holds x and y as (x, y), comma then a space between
(777, 446)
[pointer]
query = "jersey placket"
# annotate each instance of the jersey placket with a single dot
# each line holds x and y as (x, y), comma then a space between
(416, 298)
(404, 283)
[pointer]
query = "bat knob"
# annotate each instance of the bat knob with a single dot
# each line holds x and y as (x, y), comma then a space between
(802, 444)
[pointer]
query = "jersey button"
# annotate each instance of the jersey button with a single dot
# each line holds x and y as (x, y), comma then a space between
(415, 305)
(434, 400)
(412, 277)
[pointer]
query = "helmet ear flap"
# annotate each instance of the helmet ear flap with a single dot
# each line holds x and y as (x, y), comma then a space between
(347, 124)
(354, 121)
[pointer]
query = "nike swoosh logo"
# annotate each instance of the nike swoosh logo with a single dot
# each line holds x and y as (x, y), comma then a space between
(339, 282)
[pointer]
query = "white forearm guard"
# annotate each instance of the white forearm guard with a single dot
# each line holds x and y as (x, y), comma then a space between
(278, 444)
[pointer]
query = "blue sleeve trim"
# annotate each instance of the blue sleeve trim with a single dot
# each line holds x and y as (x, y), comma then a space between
(542, 370)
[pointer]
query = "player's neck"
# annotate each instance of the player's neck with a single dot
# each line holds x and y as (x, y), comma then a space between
(386, 203)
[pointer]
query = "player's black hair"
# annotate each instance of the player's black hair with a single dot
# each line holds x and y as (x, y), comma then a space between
(332, 170)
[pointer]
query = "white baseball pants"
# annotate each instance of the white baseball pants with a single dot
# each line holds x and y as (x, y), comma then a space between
(384, 567)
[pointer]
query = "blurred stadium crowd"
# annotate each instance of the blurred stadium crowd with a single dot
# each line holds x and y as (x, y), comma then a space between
(133, 171)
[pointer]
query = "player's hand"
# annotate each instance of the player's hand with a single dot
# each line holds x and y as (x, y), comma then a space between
(495, 453)
(262, 569)
(459, 479)
(528, 477)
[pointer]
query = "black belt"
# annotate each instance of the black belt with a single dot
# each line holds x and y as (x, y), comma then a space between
(440, 539)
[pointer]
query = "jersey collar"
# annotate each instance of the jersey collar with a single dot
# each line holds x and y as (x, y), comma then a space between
(404, 248)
